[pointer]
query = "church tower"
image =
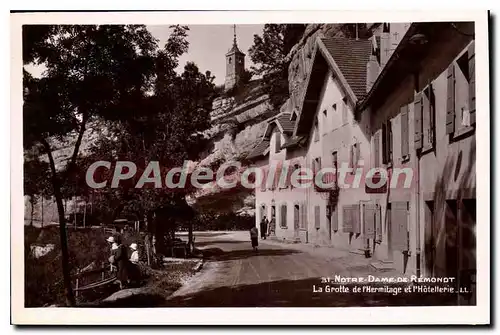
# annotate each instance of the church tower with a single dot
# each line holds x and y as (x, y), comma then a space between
(235, 65)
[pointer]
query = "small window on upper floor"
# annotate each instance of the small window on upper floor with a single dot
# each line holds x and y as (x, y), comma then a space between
(325, 121)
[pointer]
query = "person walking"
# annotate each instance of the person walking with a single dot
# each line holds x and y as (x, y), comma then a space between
(254, 237)
(263, 228)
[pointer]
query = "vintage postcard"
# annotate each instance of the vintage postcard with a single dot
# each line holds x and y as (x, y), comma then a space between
(167, 161)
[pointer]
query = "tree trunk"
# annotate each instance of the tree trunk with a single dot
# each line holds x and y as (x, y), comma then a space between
(70, 298)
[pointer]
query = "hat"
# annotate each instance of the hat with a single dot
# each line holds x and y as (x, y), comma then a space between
(114, 246)
(133, 246)
(111, 239)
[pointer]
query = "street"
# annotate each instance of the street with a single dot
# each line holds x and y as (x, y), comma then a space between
(280, 275)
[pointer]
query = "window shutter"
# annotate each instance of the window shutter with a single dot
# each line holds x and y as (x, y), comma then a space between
(417, 112)
(405, 150)
(376, 151)
(351, 156)
(472, 84)
(399, 225)
(369, 211)
(450, 104)
(356, 220)
(283, 215)
(317, 217)
(347, 219)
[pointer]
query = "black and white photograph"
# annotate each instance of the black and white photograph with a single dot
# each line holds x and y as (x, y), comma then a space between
(230, 160)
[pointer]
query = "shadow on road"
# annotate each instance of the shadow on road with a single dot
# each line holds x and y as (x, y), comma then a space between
(217, 254)
(299, 293)
(201, 244)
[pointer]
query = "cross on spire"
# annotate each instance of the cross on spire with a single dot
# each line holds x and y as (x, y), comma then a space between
(234, 30)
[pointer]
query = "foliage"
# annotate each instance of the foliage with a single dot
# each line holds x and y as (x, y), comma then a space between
(210, 220)
(269, 52)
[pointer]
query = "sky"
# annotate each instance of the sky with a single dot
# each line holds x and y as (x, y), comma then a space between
(208, 45)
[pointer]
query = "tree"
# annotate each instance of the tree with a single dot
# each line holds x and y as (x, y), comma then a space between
(36, 181)
(92, 71)
(269, 52)
(168, 130)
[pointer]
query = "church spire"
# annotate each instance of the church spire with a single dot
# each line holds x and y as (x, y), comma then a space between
(234, 48)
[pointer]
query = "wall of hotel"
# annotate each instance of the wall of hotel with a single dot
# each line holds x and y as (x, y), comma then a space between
(444, 172)
(448, 174)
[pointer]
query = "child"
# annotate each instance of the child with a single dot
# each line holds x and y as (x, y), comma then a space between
(254, 237)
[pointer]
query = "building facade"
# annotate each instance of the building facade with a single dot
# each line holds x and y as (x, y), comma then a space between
(402, 102)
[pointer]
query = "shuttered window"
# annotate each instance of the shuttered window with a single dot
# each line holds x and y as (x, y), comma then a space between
(376, 150)
(417, 113)
(405, 149)
(351, 219)
(283, 213)
(472, 83)
(296, 216)
(399, 226)
(450, 101)
(369, 213)
(387, 142)
(428, 117)
(317, 217)
(303, 215)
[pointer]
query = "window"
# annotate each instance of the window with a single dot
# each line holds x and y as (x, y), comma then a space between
(229, 60)
(316, 131)
(376, 151)
(277, 142)
(316, 165)
(387, 142)
(461, 93)
(283, 213)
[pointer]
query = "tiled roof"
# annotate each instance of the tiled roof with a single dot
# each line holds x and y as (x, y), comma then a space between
(259, 149)
(351, 56)
(285, 123)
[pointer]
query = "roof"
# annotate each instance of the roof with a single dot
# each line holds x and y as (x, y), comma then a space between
(347, 59)
(259, 149)
(351, 56)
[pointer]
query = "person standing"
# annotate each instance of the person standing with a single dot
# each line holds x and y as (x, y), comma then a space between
(134, 257)
(254, 237)
(122, 263)
(263, 228)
